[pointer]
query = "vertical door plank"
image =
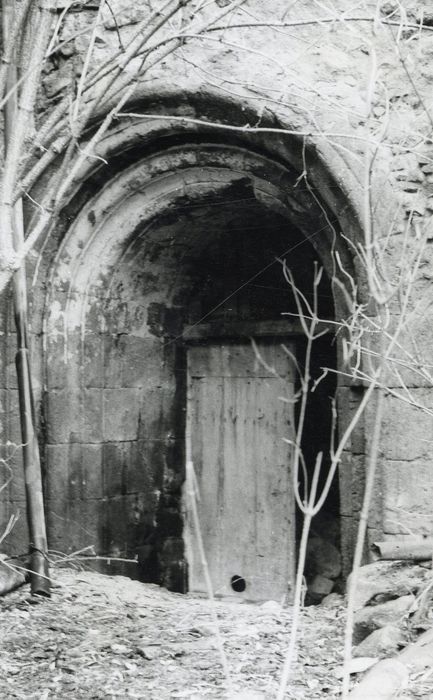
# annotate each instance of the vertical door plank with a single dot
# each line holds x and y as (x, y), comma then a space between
(236, 423)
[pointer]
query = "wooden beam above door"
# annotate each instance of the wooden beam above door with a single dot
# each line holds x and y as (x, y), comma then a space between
(283, 328)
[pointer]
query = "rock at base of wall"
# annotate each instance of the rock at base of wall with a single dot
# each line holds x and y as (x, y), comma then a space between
(382, 581)
(321, 585)
(333, 600)
(323, 558)
(382, 682)
(376, 616)
(318, 589)
(381, 643)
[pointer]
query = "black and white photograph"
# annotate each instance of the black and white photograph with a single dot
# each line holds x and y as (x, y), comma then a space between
(216, 349)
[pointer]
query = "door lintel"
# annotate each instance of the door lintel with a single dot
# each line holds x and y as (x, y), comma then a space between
(237, 330)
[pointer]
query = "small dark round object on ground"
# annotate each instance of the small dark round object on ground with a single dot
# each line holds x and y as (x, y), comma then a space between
(238, 583)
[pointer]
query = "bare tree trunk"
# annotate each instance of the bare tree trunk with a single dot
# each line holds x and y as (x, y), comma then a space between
(32, 469)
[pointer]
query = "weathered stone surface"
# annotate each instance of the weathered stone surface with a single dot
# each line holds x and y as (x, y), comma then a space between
(125, 15)
(347, 403)
(323, 558)
(398, 416)
(423, 615)
(74, 471)
(407, 498)
(348, 540)
(426, 564)
(59, 80)
(382, 682)
(381, 643)
(352, 482)
(332, 600)
(321, 585)
(120, 413)
(10, 417)
(112, 526)
(388, 677)
(375, 616)
(382, 581)
(74, 416)
(130, 361)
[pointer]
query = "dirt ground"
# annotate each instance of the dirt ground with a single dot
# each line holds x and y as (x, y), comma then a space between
(111, 637)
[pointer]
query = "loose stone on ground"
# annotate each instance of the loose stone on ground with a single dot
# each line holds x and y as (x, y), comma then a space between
(104, 637)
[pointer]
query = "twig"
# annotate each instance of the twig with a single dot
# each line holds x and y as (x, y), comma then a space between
(192, 495)
(309, 511)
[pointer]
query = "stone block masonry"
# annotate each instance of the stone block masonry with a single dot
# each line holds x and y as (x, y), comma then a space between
(173, 222)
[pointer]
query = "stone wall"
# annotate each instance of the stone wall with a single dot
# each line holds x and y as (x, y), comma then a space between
(94, 353)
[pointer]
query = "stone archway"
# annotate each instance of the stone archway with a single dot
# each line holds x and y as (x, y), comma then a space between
(156, 166)
(159, 247)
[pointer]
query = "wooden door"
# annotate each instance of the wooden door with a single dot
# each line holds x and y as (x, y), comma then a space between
(236, 422)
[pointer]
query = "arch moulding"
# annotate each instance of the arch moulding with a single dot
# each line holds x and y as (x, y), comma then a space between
(115, 211)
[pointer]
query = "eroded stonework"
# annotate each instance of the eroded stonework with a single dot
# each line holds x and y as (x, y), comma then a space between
(246, 146)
